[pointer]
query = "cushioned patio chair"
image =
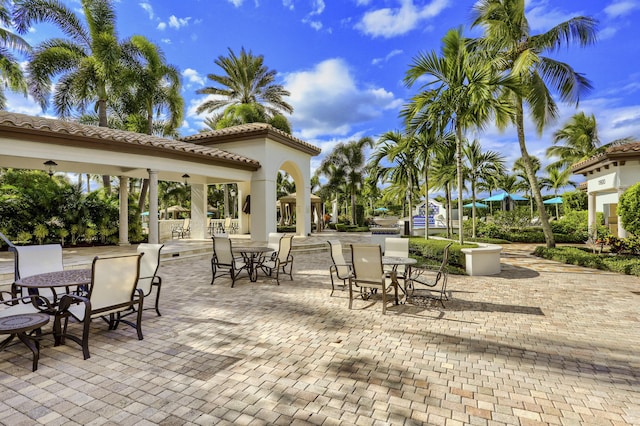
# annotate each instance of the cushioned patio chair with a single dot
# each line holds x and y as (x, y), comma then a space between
(340, 267)
(149, 278)
(112, 292)
(224, 262)
(29, 261)
(366, 261)
(280, 259)
(432, 280)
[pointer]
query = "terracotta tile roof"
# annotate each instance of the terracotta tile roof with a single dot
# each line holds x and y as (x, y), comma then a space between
(27, 123)
(613, 153)
(253, 129)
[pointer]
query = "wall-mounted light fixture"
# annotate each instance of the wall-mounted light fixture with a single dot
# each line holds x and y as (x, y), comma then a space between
(186, 178)
(51, 167)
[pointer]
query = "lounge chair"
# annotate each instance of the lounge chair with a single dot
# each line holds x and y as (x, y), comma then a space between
(366, 260)
(182, 231)
(149, 278)
(280, 259)
(340, 267)
(223, 262)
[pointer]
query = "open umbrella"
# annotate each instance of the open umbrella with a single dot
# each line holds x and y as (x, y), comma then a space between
(478, 205)
(381, 209)
(554, 200)
(500, 197)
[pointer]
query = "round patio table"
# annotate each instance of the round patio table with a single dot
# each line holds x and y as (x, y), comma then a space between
(252, 256)
(18, 326)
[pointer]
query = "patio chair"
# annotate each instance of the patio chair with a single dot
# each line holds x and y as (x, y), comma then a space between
(366, 261)
(182, 231)
(29, 261)
(280, 259)
(229, 226)
(149, 277)
(274, 240)
(111, 293)
(340, 267)
(397, 247)
(433, 280)
(223, 261)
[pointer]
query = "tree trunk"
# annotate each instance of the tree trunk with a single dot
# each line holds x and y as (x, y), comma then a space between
(533, 181)
(102, 122)
(426, 200)
(143, 194)
(449, 209)
(460, 181)
(473, 209)
(225, 201)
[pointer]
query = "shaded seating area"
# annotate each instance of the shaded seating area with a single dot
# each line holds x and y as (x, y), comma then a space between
(112, 292)
(223, 262)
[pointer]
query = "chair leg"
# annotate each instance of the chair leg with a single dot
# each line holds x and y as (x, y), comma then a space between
(139, 319)
(350, 295)
(158, 285)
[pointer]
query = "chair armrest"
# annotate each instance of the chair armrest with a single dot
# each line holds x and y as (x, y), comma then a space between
(71, 299)
(41, 303)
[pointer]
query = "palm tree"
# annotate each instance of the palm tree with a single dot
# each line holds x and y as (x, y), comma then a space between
(10, 70)
(577, 140)
(460, 93)
(443, 173)
(520, 169)
(507, 37)
(85, 65)
(246, 80)
(348, 161)
(480, 166)
(397, 149)
(557, 179)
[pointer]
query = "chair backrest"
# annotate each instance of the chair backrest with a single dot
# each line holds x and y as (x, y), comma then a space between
(337, 256)
(186, 225)
(34, 260)
(227, 222)
(285, 247)
(148, 265)
(222, 250)
(445, 258)
(396, 247)
(274, 240)
(366, 260)
(113, 280)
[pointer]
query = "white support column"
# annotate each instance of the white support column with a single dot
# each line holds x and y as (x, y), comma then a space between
(593, 226)
(622, 233)
(153, 206)
(303, 211)
(263, 210)
(198, 211)
(124, 212)
(244, 220)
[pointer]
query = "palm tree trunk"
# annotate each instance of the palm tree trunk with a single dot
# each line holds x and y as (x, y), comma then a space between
(426, 201)
(460, 182)
(143, 194)
(473, 209)
(449, 209)
(535, 188)
(102, 122)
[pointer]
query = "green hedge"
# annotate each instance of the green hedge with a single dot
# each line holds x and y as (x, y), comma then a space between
(341, 227)
(624, 264)
(431, 251)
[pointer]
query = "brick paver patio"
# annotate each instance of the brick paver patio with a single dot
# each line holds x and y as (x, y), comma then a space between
(541, 343)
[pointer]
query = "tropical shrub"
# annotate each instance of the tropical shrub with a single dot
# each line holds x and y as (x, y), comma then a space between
(624, 264)
(628, 208)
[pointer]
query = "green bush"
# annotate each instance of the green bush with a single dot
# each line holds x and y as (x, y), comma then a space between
(628, 208)
(626, 264)
(432, 249)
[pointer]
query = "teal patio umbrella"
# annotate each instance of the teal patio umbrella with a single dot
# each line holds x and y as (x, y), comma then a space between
(478, 205)
(554, 200)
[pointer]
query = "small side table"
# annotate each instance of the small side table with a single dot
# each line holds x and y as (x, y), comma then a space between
(18, 326)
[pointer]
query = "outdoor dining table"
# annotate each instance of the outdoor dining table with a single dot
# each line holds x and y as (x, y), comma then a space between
(396, 261)
(55, 280)
(252, 256)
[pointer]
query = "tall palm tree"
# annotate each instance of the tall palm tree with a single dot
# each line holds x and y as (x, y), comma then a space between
(557, 179)
(577, 140)
(479, 167)
(10, 70)
(246, 80)
(506, 32)
(348, 160)
(443, 173)
(397, 149)
(520, 169)
(85, 65)
(460, 92)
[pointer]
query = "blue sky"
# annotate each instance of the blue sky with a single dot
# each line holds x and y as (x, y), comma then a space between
(344, 61)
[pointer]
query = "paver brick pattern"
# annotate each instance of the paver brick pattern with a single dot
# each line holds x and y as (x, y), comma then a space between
(541, 343)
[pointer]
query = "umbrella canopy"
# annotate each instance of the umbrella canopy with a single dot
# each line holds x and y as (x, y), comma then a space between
(500, 197)
(478, 205)
(381, 209)
(555, 200)
(176, 209)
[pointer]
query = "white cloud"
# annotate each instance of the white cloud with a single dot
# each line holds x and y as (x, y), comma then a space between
(327, 100)
(166, 40)
(236, 3)
(177, 23)
(288, 4)
(148, 8)
(391, 22)
(18, 103)
(621, 8)
(193, 76)
(395, 52)
(542, 16)
(162, 26)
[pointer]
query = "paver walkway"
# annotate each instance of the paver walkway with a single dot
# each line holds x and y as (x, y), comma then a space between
(541, 343)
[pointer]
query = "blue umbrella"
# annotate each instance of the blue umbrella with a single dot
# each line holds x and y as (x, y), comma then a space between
(478, 205)
(382, 209)
(555, 200)
(500, 197)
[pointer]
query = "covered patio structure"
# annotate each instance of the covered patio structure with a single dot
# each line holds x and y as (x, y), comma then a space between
(249, 155)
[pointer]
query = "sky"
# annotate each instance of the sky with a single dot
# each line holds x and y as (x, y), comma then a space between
(344, 61)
